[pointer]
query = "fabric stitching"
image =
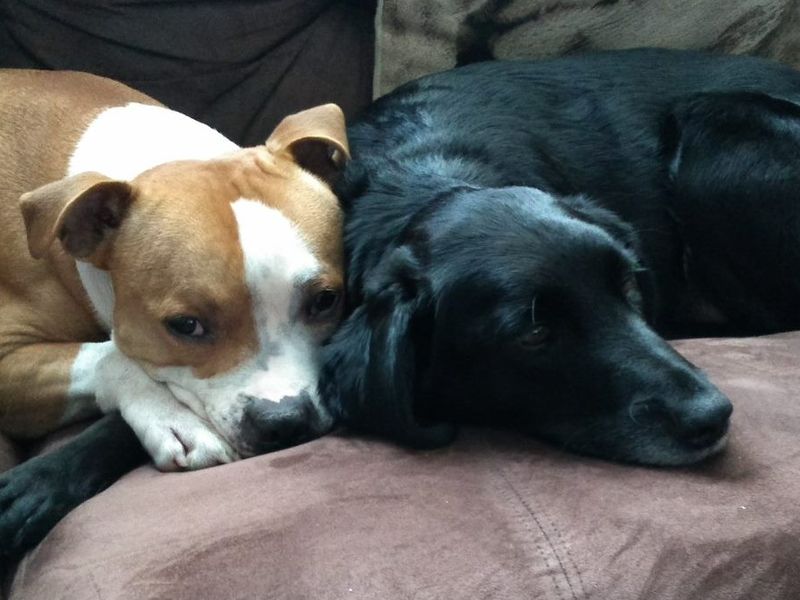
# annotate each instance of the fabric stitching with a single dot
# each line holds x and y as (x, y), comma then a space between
(569, 556)
(547, 539)
(511, 493)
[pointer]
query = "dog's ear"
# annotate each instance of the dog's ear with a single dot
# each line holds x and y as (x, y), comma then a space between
(586, 210)
(583, 208)
(371, 374)
(727, 138)
(82, 211)
(316, 139)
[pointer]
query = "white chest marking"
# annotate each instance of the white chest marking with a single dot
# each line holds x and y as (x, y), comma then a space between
(83, 381)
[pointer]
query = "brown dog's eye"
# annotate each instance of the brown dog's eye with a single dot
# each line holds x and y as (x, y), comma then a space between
(323, 304)
(186, 327)
(536, 337)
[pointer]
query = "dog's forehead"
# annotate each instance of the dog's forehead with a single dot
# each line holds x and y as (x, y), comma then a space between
(203, 218)
(518, 244)
(509, 222)
(278, 264)
(202, 192)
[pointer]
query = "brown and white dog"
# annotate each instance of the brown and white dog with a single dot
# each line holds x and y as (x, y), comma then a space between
(151, 266)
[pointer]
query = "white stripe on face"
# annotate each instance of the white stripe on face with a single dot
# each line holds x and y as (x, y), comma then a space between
(277, 264)
(277, 261)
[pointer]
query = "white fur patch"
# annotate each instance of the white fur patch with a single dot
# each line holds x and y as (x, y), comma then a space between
(97, 284)
(277, 262)
(174, 436)
(124, 141)
(81, 401)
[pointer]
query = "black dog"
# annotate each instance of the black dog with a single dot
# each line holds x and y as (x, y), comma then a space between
(517, 233)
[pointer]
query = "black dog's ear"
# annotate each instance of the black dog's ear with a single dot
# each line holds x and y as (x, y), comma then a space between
(370, 377)
(724, 138)
(352, 183)
(583, 208)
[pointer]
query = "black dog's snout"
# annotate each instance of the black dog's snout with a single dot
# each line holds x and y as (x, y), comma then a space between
(268, 425)
(703, 421)
(699, 422)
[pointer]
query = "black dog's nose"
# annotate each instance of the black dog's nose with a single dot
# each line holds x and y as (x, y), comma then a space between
(702, 421)
(268, 425)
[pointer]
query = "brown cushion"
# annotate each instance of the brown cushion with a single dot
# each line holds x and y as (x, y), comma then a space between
(494, 516)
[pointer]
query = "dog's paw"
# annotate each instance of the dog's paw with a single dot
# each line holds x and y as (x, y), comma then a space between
(34, 496)
(177, 439)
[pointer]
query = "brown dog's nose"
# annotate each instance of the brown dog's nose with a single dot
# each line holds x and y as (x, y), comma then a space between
(268, 425)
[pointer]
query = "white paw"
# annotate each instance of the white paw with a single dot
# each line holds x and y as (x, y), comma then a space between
(175, 437)
(180, 441)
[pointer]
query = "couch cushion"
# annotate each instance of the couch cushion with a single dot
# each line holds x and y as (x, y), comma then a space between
(493, 516)
(413, 40)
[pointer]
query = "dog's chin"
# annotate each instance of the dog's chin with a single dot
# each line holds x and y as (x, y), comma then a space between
(630, 446)
(680, 456)
(656, 453)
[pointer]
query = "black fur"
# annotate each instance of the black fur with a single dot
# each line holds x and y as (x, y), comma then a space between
(473, 192)
(35, 495)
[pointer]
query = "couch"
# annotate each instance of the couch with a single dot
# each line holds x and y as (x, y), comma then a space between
(496, 515)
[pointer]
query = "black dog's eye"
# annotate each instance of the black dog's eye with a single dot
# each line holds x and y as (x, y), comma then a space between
(323, 304)
(187, 327)
(536, 337)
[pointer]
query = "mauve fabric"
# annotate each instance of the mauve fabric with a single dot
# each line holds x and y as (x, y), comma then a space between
(493, 516)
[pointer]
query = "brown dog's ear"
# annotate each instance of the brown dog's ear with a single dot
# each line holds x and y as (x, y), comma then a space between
(316, 139)
(80, 210)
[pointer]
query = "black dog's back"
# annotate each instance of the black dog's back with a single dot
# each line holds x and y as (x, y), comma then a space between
(601, 124)
(544, 122)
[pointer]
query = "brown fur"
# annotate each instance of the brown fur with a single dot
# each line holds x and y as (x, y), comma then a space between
(41, 302)
(174, 251)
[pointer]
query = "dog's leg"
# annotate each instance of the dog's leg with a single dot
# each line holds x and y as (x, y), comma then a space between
(46, 385)
(37, 494)
(175, 437)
